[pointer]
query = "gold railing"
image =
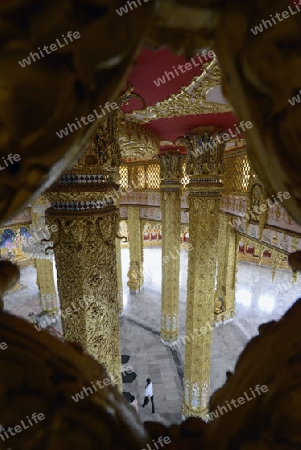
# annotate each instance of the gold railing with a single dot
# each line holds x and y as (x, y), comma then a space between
(146, 175)
(123, 177)
(139, 176)
(237, 172)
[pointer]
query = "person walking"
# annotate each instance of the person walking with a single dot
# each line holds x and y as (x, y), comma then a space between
(148, 395)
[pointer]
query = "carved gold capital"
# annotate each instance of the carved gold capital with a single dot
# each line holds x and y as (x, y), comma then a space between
(205, 153)
(170, 167)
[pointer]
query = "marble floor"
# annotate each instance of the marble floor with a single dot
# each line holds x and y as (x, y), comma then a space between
(258, 300)
(254, 306)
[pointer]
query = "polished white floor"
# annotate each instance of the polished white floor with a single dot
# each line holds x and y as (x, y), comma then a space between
(258, 300)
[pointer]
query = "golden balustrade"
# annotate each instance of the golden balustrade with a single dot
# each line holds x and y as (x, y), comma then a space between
(238, 172)
(145, 175)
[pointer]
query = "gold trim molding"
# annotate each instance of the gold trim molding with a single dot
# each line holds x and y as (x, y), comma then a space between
(189, 101)
(255, 242)
(137, 142)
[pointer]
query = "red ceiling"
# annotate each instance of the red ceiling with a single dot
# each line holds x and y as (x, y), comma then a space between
(171, 129)
(152, 64)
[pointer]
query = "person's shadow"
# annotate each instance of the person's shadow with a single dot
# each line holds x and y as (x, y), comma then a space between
(127, 395)
(127, 377)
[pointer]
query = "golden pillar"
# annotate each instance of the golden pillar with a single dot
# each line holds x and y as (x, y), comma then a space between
(135, 272)
(83, 206)
(46, 284)
(118, 261)
(43, 263)
(226, 276)
(171, 171)
(119, 276)
(205, 166)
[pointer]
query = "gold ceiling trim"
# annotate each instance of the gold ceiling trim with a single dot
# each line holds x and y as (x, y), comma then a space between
(191, 100)
(137, 142)
(246, 239)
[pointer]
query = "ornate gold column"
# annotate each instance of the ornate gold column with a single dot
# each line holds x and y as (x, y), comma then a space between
(43, 262)
(226, 276)
(171, 171)
(205, 166)
(119, 276)
(45, 282)
(118, 260)
(83, 206)
(135, 272)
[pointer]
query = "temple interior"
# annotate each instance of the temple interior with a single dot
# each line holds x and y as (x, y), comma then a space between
(238, 255)
(257, 301)
(150, 225)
